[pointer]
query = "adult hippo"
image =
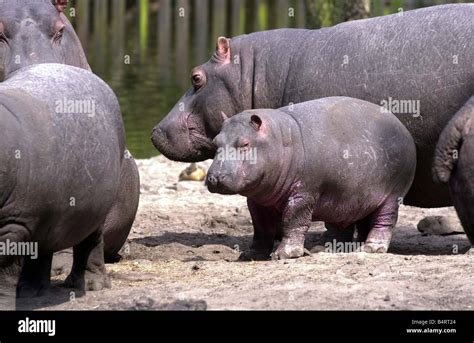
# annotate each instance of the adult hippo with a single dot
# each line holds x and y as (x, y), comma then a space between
(61, 156)
(423, 59)
(37, 31)
(340, 160)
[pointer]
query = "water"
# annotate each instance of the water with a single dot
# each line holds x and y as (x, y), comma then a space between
(145, 49)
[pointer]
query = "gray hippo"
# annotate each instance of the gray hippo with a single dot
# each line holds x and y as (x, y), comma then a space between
(454, 164)
(37, 31)
(61, 157)
(419, 64)
(339, 160)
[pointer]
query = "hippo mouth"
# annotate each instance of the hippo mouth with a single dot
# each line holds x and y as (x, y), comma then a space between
(200, 143)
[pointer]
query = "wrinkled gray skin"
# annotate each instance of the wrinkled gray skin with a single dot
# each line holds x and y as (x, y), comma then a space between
(59, 175)
(35, 31)
(454, 164)
(338, 160)
(407, 57)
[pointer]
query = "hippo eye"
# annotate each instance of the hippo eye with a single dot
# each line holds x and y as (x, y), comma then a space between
(3, 36)
(58, 35)
(244, 145)
(198, 80)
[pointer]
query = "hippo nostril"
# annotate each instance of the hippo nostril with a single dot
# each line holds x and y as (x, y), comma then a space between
(212, 180)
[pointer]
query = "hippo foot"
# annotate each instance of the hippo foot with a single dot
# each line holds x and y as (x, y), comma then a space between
(88, 281)
(255, 255)
(373, 247)
(31, 291)
(288, 250)
(112, 258)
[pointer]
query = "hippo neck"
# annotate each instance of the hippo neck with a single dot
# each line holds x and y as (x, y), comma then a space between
(259, 52)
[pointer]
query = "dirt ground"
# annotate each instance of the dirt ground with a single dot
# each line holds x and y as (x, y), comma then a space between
(184, 248)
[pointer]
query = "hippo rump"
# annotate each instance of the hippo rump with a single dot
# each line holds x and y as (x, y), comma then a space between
(339, 160)
(37, 31)
(61, 157)
(421, 59)
(454, 164)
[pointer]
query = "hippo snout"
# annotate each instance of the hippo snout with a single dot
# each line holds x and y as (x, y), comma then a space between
(215, 182)
(159, 138)
(158, 133)
(214, 179)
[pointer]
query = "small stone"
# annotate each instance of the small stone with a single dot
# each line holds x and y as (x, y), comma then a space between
(440, 225)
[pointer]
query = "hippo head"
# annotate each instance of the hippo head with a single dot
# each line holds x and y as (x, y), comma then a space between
(243, 145)
(37, 31)
(186, 133)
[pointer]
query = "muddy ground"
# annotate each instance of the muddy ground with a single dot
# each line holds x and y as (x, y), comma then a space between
(184, 248)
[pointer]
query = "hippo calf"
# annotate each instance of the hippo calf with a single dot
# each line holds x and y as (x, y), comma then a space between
(339, 160)
(454, 164)
(61, 156)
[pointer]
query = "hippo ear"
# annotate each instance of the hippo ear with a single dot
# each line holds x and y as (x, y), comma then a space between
(255, 122)
(223, 50)
(224, 116)
(60, 4)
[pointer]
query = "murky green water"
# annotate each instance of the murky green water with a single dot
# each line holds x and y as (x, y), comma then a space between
(145, 49)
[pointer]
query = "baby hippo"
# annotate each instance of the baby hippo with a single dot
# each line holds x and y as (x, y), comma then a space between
(454, 163)
(340, 160)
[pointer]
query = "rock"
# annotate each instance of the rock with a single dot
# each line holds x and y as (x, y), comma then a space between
(62, 263)
(440, 225)
(193, 173)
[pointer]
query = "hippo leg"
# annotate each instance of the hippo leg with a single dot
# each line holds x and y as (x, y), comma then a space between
(121, 216)
(265, 223)
(10, 266)
(35, 276)
(297, 217)
(363, 228)
(88, 268)
(383, 221)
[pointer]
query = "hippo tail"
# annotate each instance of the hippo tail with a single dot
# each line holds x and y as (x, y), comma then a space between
(450, 142)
